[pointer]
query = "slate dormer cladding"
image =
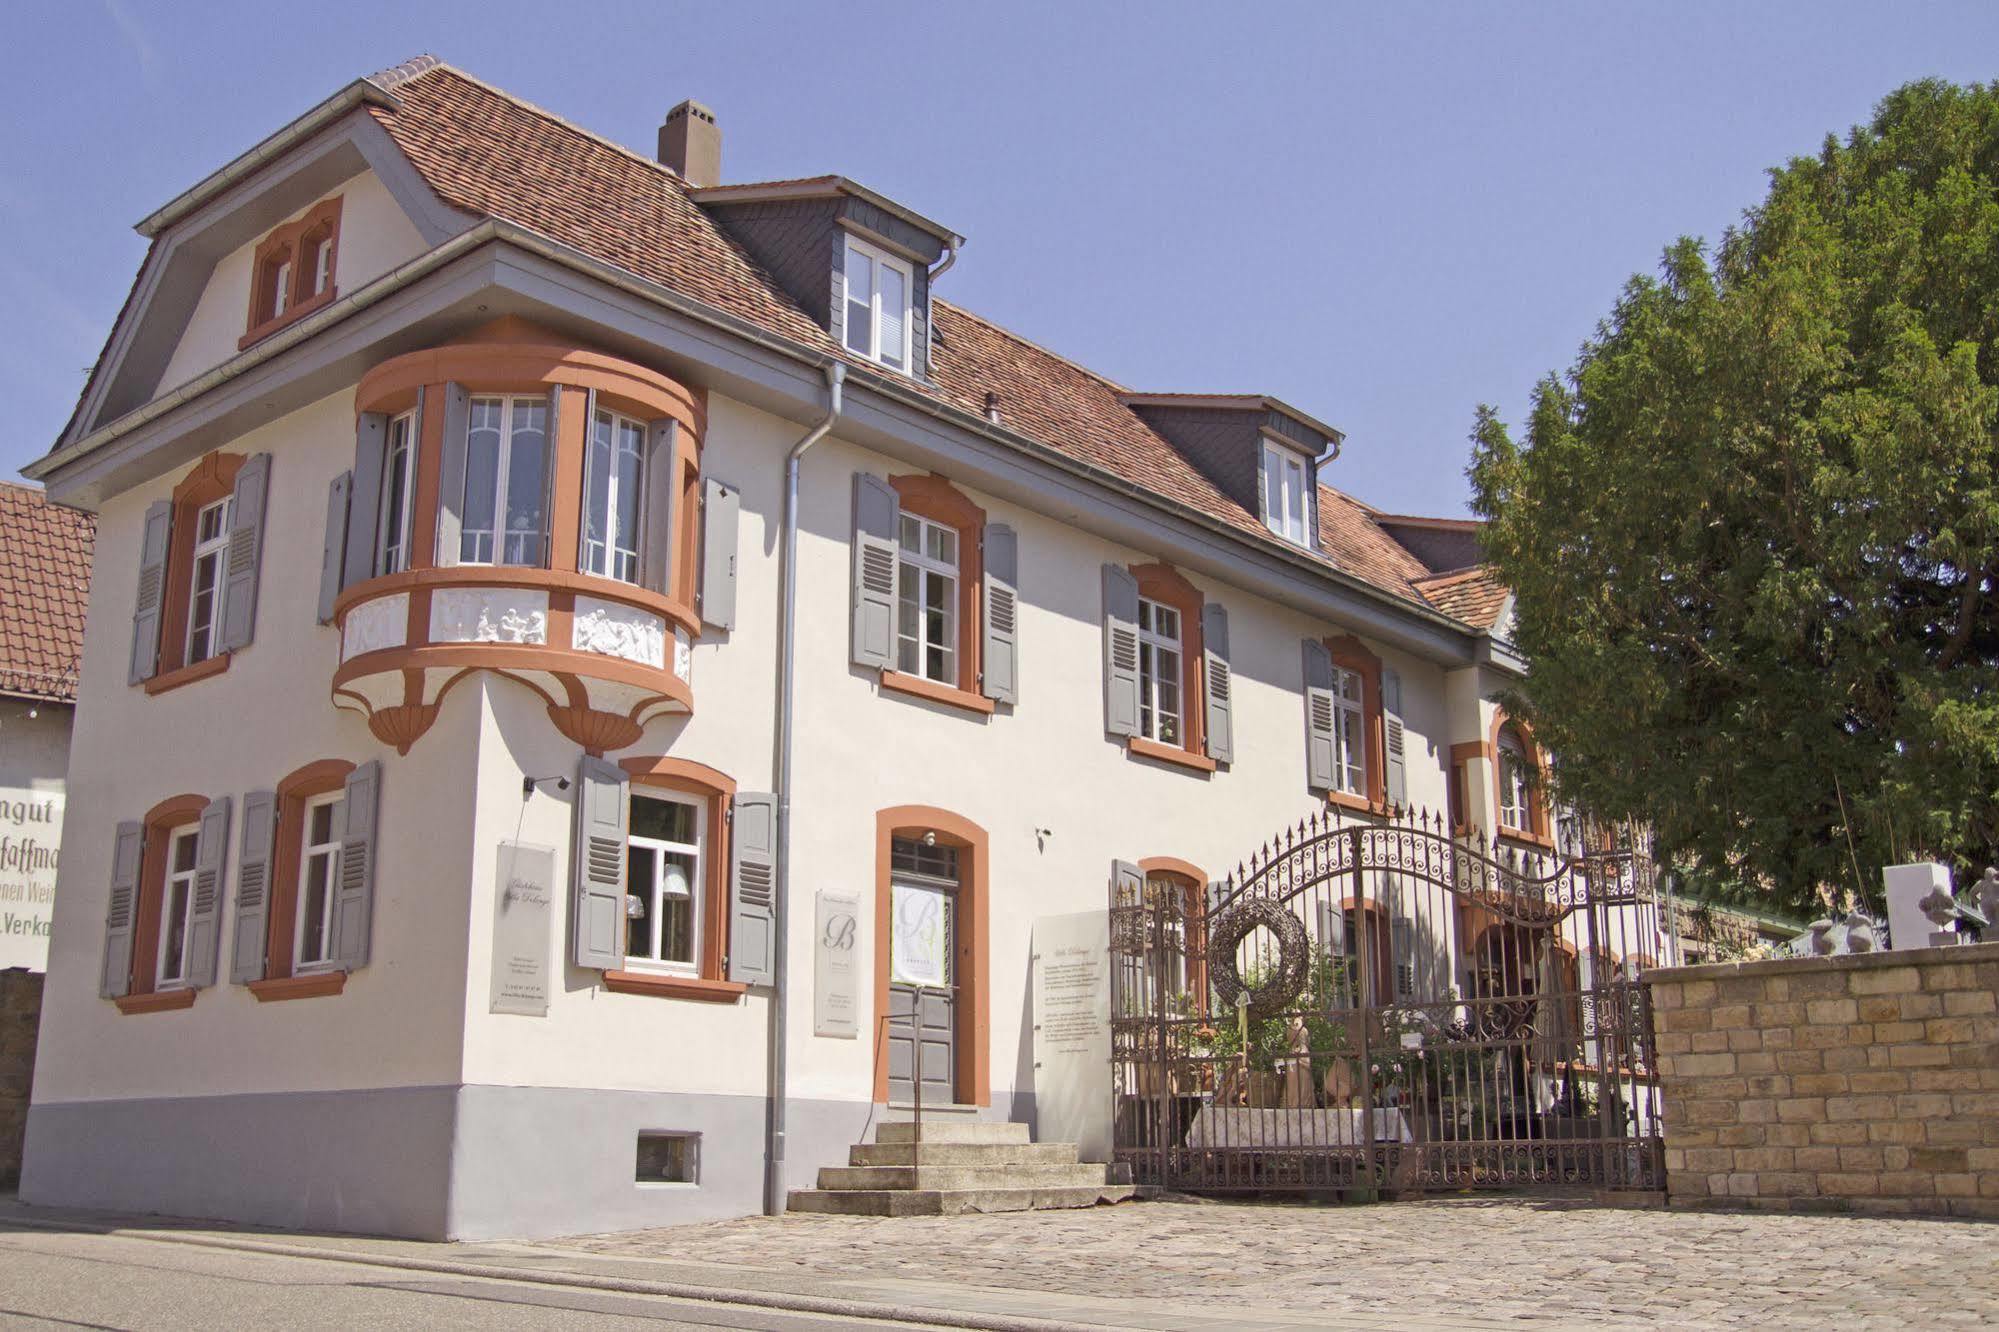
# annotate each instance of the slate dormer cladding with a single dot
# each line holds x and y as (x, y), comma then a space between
(796, 231)
(1223, 437)
(1441, 543)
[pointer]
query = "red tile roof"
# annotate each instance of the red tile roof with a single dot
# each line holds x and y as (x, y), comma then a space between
(1474, 595)
(44, 585)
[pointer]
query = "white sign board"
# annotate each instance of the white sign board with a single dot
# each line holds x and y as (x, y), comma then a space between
(1072, 1031)
(1906, 886)
(523, 915)
(836, 983)
(918, 920)
(30, 836)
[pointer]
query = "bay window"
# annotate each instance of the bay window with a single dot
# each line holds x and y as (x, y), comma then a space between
(205, 588)
(664, 883)
(1160, 672)
(877, 305)
(927, 600)
(392, 537)
(506, 482)
(176, 907)
(613, 509)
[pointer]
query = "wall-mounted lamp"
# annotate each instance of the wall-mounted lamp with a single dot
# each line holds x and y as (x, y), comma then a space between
(528, 784)
(930, 839)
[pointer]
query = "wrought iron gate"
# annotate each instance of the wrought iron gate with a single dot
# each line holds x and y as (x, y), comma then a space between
(1385, 1006)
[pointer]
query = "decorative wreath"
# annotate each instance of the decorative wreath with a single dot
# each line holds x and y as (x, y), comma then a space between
(1283, 983)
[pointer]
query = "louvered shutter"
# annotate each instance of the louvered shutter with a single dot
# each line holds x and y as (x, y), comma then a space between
(1120, 651)
(354, 892)
(1320, 754)
(245, 554)
(251, 930)
(450, 476)
(999, 660)
(1215, 668)
(118, 912)
(364, 501)
(152, 591)
(877, 512)
(662, 485)
(721, 509)
(1393, 740)
(753, 922)
(204, 915)
(603, 820)
(333, 556)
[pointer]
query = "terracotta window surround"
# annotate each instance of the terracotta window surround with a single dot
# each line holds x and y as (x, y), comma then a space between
(1539, 832)
(1192, 883)
(213, 478)
(1349, 653)
(142, 994)
(715, 790)
(1167, 586)
(282, 979)
(972, 1077)
(934, 498)
(293, 243)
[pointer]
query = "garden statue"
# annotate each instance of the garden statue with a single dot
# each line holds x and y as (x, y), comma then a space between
(1940, 908)
(1859, 932)
(1340, 1088)
(1986, 894)
(1821, 941)
(1298, 1093)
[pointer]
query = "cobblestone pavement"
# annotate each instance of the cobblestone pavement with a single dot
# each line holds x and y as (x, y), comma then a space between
(1430, 1262)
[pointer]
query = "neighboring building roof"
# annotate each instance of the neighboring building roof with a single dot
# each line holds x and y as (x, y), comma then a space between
(1474, 595)
(44, 586)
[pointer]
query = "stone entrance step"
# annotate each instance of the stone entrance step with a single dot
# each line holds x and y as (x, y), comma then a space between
(949, 1166)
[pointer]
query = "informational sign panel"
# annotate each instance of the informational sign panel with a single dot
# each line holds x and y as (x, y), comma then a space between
(836, 983)
(1072, 1031)
(523, 928)
(920, 953)
(30, 836)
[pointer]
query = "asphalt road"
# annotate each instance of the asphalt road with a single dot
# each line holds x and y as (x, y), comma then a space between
(62, 1280)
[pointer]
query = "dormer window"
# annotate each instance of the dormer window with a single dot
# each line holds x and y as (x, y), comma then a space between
(877, 305)
(292, 271)
(1287, 504)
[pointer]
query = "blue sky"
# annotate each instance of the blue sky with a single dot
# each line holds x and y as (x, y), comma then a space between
(1383, 214)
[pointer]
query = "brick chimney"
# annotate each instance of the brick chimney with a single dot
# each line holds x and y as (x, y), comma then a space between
(691, 143)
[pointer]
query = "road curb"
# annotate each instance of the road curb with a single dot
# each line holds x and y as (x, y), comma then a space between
(761, 1299)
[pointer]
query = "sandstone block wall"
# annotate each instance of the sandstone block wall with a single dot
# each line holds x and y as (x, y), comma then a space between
(1860, 1083)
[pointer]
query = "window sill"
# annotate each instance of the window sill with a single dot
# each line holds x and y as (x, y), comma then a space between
(1527, 839)
(1139, 747)
(311, 985)
(949, 695)
(291, 316)
(183, 675)
(158, 1001)
(675, 987)
(1357, 804)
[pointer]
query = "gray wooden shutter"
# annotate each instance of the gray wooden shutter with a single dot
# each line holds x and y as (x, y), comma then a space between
(125, 856)
(1127, 884)
(1120, 651)
(1393, 740)
(753, 922)
(450, 475)
(245, 555)
(589, 467)
(1215, 668)
(204, 915)
(660, 507)
(364, 499)
(603, 820)
(333, 556)
(354, 892)
(877, 514)
(1320, 755)
(152, 590)
(721, 511)
(253, 888)
(999, 651)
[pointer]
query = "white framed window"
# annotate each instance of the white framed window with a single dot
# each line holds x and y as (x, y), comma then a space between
(1511, 761)
(1287, 504)
(392, 534)
(318, 872)
(927, 600)
(506, 483)
(614, 509)
(1159, 673)
(663, 882)
(176, 905)
(1349, 731)
(205, 588)
(878, 296)
(281, 288)
(322, 265)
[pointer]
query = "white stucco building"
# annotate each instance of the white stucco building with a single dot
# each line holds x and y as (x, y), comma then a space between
(441, 459)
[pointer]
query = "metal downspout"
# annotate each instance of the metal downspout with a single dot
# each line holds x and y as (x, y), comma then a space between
(774, 1192)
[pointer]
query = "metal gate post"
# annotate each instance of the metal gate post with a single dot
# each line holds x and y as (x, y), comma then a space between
(1163, 1108)
(1364, 1006)
(1606, 1046)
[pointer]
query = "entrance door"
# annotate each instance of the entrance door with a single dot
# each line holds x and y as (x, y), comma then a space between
(922, 989)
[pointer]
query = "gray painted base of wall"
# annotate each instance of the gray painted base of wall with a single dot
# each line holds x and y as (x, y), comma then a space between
(458, 1163)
